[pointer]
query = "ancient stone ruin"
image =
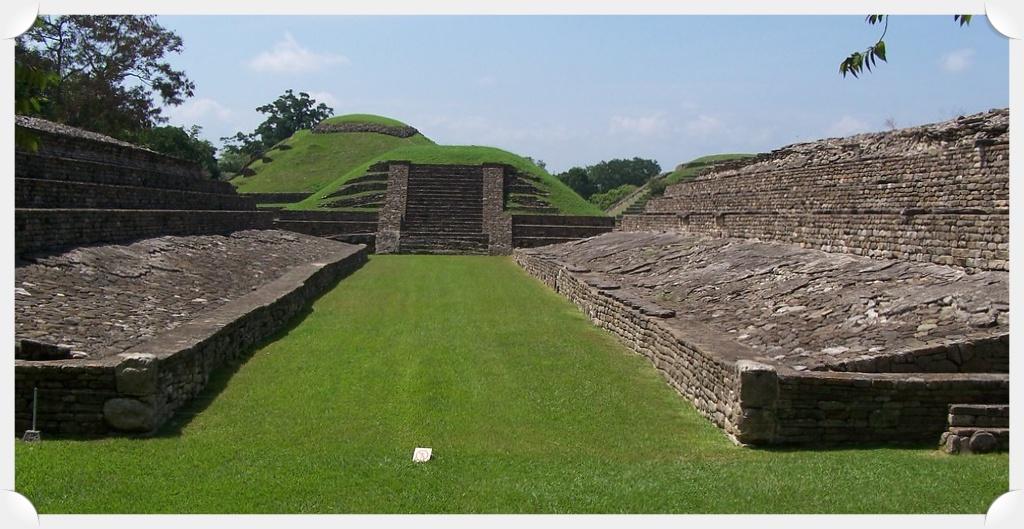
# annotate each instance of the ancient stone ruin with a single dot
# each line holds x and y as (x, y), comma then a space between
(137, 278)
(402, 207)
(845, 290)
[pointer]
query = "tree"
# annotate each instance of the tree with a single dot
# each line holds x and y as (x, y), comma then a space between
(614, 173)
(858, 61)
(577, 180)
(108, 70)
(286, 115)
(181, 143)
(231, 162)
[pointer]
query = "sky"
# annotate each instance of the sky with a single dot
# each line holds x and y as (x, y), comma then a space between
(575, 90)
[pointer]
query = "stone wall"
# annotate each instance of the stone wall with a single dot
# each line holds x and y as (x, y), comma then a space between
(756, 403)
(389, 219)
(496, 222)
(48, 229)
(138, 390)
(937, 193)
(401, 131)
(530, 231)
(356, 227)
(276, 198)
(80, 187)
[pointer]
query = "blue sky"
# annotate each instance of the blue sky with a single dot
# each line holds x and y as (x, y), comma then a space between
(574, 90)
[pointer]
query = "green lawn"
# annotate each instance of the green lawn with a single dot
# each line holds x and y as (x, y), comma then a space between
(528, 407)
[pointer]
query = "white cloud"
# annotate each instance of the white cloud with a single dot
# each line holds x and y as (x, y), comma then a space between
(848, 125)
(326, 98)
(638, 125)
(199, 111)
(288, 56)
(703, 125)
(958, 61)
(487, 81)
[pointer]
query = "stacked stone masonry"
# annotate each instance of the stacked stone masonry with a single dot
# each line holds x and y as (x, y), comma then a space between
(937, 193)
(977, 428)
(79, 187)
(431, 208)
(781, 345)
(116, 335)
(184, 308)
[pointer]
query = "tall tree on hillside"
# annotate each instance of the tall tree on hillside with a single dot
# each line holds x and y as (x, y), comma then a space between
(108, 71)
(286, 115)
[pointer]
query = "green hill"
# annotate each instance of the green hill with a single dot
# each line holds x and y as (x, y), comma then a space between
(323, 163)
(307, 161)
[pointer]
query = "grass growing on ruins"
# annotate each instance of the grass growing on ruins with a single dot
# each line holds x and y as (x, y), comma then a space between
(690, 169)
(561, 196)
(528, 407)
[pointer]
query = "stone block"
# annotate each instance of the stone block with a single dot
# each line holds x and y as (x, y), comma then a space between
(130, 415)
(137, 374)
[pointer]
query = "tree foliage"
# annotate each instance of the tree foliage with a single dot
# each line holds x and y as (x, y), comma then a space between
(181, 143)
(612, 196)
(859, 61)
(610, 174)
(108, 70)
(286, 115)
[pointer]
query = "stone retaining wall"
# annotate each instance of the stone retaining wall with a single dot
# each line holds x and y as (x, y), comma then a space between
(403, 131)
(276, 198)
(139, 390)
(757, 403)
(937, 193)
(46, 229)
(972, 241)
(53, 194)
(530, 231)
(80, 187)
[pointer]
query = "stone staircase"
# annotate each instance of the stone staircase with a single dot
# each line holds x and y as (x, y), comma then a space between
(444, 211)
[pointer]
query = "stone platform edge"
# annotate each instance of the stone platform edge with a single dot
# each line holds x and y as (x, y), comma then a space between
(139, 390)
(756, 403)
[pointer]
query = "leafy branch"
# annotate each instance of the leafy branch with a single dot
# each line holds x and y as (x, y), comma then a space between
(859, 61)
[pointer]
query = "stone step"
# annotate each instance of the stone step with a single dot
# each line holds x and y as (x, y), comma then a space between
(42, 193)
(960, 440)
(51, 167)
(326, 228)
(356, 216)
(533, 242)
(576, 232)
(359, 187)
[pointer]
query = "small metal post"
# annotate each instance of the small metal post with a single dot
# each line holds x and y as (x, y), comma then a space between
(33, 436)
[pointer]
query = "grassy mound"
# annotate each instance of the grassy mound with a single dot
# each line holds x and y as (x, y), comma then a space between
(561, 196)
(364, 118)
(527, 405)
(691, 168)
(307, 161)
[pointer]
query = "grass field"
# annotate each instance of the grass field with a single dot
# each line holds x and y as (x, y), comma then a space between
(528, 407)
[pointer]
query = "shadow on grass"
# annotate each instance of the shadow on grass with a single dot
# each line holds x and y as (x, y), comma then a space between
(220, 377)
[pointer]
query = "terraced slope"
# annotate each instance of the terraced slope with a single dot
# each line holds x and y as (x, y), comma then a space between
(552, 192)
(306, 161)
